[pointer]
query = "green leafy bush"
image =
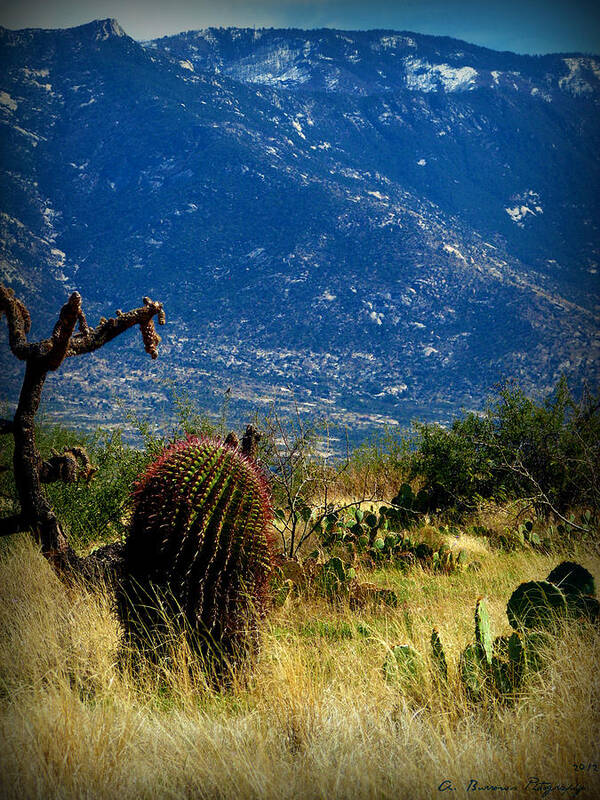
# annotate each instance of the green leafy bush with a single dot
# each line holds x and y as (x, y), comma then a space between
(98, 511)
(547, 450)
(91, 512)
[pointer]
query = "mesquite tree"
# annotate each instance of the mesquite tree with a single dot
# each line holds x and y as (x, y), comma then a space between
(42, 357)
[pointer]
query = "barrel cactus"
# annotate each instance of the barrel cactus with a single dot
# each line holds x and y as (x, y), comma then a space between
(199, 550)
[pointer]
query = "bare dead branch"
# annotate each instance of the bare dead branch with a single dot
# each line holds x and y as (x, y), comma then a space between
(82, 323)
(69, 466)
(63, 330)
(30, 470)
(91, 339)
(19, 323)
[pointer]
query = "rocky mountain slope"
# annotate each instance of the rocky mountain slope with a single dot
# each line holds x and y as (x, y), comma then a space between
(377, 224)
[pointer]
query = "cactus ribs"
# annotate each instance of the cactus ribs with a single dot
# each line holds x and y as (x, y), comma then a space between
(200, 546)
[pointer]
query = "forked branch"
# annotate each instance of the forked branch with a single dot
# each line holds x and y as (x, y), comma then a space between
(73, 464)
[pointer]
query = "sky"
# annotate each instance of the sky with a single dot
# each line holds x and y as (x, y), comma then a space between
(523, 26)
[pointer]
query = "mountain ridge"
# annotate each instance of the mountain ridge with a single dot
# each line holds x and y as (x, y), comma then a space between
(360, 250)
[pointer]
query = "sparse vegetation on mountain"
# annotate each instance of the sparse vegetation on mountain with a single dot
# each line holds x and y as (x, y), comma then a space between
(403, 233)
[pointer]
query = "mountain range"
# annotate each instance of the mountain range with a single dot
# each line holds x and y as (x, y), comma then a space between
(371, 225)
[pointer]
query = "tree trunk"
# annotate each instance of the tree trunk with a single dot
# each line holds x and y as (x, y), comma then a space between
(36, 511)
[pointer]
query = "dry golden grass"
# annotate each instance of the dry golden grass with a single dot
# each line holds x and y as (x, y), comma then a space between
(314, 719)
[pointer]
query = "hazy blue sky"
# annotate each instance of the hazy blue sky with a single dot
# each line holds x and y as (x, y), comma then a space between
(525, 26)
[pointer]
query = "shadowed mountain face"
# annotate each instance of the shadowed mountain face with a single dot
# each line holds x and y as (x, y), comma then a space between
(382, 224)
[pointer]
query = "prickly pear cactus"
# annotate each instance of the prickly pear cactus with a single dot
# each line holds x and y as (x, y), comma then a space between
(483, 629)
(584, 606)
(572, 578)
(335, 578)
(474, 671)
(508, 661)
(403, 664)
(579, 587)
(438, 656)
(535, 604)
(199, 546)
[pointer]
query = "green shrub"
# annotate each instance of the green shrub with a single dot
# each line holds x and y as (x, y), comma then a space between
(98, 511)
(548, 450)
(90, 512)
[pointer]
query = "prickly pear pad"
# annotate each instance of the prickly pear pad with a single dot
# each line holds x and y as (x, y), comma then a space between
(535, 604)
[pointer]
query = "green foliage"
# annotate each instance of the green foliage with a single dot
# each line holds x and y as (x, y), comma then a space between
(408, 506)
(200, 544)
(455, 463)
(91, 512)
(491, 666)
(518, 447)
(98, 511)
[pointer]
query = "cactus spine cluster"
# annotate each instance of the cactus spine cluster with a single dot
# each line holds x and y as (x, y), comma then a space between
(199, 545)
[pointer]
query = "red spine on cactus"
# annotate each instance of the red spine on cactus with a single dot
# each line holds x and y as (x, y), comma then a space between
(201, 541)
